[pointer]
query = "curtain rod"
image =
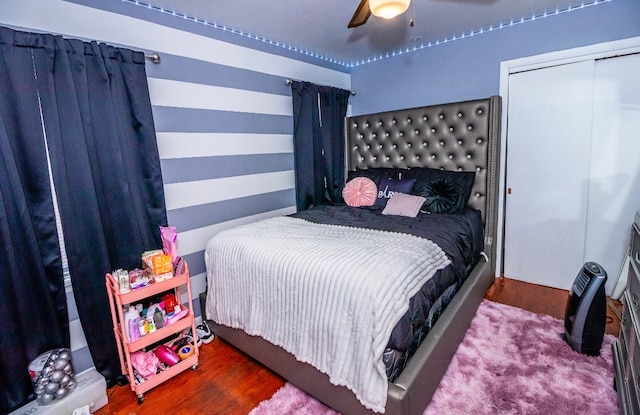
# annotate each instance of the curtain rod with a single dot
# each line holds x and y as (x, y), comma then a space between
(153, 57)
(289, 81)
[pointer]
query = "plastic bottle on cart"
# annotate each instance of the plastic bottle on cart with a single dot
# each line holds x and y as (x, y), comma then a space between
(158, 318)
(130, 323)
(152, 326)
(143, 326)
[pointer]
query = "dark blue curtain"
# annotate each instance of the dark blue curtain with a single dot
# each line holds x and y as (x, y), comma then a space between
(33, 306)
(318, 142)
(88, 105)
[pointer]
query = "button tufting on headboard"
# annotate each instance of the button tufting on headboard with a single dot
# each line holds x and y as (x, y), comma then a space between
(452, 136)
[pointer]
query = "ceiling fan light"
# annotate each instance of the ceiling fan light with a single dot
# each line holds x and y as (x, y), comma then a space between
(388, 9)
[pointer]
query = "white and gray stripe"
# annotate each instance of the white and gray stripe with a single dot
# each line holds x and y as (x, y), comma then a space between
(222, 114)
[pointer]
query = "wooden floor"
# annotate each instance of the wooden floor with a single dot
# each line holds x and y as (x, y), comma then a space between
(228, 382)
(545, 300)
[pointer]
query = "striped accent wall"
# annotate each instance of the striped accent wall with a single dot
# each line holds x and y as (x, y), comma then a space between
(222, 113)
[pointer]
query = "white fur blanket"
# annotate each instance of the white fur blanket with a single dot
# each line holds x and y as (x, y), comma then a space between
(330, 295)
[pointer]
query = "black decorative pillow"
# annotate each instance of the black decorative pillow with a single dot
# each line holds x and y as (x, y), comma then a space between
(388, 186)
(462, 180)
(441, 196)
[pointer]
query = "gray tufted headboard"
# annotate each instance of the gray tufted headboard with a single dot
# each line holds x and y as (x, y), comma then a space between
(456, 136)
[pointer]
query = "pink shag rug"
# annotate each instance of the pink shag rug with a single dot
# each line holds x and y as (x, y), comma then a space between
(511, 361)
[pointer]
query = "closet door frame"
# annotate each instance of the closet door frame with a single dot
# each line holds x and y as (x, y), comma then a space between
(547, 176)
(591, 52)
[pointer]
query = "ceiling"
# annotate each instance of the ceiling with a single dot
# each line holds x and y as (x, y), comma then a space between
(320, 27)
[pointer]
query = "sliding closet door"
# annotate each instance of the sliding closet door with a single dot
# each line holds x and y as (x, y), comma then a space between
(547, 171)
(614, 186)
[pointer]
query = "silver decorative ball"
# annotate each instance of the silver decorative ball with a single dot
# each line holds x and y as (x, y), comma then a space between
(61, 393)
(60, 364)
(45, 398)
(64, 354)
(51, 387)
(65, 380)
(57, 376)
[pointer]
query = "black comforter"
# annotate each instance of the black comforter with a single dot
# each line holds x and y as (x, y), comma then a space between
(460, 236)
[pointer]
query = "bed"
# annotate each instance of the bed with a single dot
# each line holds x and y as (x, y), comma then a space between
(456, 137)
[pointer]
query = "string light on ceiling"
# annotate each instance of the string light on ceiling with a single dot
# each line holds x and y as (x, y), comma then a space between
(412, 48)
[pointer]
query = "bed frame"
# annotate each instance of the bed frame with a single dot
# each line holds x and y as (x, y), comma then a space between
(454, 136)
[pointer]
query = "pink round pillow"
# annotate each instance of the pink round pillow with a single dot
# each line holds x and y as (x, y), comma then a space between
(360, 191)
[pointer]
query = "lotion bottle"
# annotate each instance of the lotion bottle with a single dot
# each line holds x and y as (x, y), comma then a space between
(130, 316)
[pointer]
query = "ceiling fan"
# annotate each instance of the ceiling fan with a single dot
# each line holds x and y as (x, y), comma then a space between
(387, 9)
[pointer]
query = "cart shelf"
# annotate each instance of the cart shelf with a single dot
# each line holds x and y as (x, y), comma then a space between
(169, 333)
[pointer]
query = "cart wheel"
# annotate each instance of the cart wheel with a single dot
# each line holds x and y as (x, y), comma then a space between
(194, 367)
(140, 398)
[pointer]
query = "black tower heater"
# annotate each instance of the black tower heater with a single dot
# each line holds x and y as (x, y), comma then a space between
(586, 313)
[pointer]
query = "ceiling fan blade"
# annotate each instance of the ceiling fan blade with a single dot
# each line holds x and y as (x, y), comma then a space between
(361, 15)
